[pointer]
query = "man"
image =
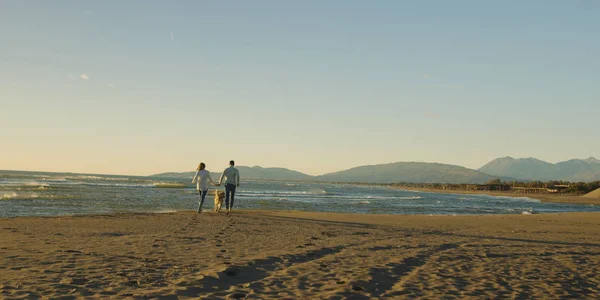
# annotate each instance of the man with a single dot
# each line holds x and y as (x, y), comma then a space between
(232, 181)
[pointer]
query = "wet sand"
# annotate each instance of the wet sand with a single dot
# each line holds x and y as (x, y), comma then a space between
(300, 255)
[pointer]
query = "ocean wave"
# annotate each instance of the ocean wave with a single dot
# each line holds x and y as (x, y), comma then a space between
(409, 198)
(93, 177)
(60, 179)
(132, 185)
(387, 197)
(524, 199)
(319, 192)
(295, 196)
(168, 185)
(279, 192)
(362, 202)
(22, 183)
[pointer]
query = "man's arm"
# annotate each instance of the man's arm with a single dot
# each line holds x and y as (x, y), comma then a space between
(195, 177)
(237, 177)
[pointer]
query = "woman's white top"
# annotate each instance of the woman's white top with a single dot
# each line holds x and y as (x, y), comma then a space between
(202, 177)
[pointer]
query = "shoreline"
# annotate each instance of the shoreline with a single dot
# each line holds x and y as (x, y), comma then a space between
(287, 211)
(300, 255)
(543, 198)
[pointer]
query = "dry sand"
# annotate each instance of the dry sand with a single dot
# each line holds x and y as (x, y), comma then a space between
(593, 195)
(301, 255)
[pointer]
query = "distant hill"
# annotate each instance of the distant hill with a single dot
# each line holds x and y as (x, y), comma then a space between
(248, 173)
(414, 172)
(534, 169)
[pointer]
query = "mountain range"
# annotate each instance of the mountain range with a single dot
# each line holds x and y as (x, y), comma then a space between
(408, 172)
(505, 168)
(534, 169)
(255, 172)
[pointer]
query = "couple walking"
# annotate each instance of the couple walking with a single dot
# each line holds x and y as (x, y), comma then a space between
(232, 181)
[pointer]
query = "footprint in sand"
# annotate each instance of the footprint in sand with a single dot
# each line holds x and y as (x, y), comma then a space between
(232, 271)
(357, 287)
(237, 296)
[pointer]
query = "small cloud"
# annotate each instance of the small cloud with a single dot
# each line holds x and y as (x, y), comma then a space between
(172, 36)
(426, 76)
(110, 86)
(432, 115)
(85, 76)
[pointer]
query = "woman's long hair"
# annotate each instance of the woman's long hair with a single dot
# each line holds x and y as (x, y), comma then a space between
(201, 166)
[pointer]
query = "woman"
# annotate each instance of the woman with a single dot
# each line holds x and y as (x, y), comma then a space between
(201, 177)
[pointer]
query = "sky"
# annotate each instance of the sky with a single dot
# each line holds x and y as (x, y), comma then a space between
(143, 87)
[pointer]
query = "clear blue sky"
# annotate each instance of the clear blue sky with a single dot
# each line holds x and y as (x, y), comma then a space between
(139, 87)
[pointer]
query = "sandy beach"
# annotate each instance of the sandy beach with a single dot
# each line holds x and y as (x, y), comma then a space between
(300, 255)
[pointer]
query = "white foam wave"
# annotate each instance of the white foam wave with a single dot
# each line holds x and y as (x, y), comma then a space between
(318, 192)
(9, 195)
(85, 177)
(114, 184)
(168, 185)
(363, 202)
(55, 179)
(165, 211)
(93, 177)
(524, 199)
(15, 195)
(409, 198)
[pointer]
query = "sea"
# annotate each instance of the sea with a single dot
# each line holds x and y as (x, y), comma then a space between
(59, 194)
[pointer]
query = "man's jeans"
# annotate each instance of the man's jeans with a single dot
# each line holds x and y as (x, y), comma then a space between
(229, 190)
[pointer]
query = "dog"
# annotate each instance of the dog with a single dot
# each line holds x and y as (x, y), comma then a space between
(219, 197)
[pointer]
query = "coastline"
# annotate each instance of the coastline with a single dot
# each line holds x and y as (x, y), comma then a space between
(542, 198)
(301, 255)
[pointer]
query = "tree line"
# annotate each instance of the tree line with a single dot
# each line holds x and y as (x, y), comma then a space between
(534, 187)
